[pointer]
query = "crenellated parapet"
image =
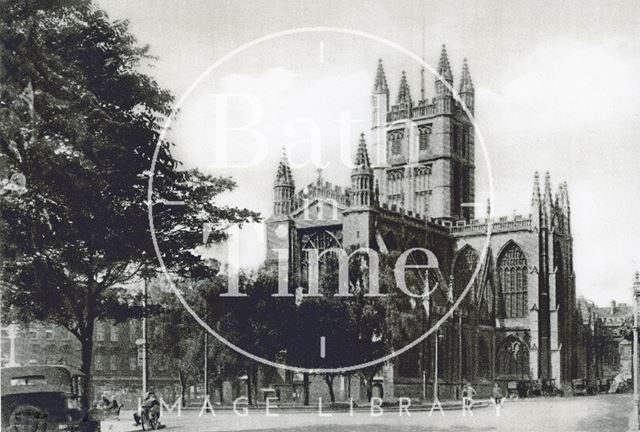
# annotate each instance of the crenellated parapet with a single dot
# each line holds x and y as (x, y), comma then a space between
(501, 224)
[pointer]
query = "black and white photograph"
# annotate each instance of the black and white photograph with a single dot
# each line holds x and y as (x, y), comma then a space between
(319, 215)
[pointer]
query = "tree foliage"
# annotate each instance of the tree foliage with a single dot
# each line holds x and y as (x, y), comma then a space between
(80, 122)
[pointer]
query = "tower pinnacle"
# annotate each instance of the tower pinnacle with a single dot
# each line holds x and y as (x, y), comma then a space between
(404, 93)
(444, 69)
(283, 175)
(362, 156)
(362, 185)
(466, 84)
(380, 85)
(535, 198)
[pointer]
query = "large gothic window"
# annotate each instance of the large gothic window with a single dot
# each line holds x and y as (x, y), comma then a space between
(513, 358)
(512, 272)
(465, 265)
(320, 241)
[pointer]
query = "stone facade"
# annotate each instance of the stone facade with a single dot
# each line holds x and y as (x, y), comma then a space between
(518, 321)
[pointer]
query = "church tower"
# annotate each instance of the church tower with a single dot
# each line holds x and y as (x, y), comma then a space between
(426, 162)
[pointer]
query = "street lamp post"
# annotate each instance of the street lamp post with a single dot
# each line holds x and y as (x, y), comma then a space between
(435, 377)
(634, 346)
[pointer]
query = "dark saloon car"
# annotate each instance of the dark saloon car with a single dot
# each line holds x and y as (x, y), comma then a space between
(43, 398)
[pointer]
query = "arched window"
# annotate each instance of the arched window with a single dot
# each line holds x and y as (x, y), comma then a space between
(465, 265)
(320, 241)
(512, 272)
(513, 358)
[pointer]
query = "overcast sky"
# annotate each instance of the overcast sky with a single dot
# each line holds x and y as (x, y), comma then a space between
(556, 90)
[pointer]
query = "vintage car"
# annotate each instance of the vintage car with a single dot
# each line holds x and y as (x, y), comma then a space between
(581, 386)
(43, 398)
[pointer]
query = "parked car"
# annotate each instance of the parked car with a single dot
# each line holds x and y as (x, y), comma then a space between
(581, 386)
(43, 398)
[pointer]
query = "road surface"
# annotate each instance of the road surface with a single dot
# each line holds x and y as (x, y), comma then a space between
(602, 413)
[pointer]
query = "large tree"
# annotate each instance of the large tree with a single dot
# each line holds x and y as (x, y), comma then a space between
(80, 122)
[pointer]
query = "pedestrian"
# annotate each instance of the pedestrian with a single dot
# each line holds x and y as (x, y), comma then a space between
(496, 394)
(468, 393)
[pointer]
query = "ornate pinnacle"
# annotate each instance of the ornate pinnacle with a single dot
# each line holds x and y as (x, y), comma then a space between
(283, 175)
(466, 84)
(362, 156)
(380, 85)
(404, 93)
(444, 69)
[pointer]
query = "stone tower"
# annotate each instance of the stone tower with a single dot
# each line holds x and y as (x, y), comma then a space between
(424, 150)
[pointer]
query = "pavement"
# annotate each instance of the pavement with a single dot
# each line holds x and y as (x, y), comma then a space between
(601, 413)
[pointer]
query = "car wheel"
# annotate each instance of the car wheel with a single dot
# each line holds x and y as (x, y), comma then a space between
(29, 418)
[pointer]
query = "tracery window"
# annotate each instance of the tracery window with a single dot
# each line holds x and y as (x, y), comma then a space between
(512, 272)
(320, 241)
(424, 135)
(513, 358)
(395, 141)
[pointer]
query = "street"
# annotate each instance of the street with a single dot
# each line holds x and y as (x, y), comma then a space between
(593, 413)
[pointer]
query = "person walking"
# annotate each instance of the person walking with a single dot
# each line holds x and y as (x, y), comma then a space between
(496, 394)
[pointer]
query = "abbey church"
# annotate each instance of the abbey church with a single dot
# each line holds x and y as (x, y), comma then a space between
(413, 186)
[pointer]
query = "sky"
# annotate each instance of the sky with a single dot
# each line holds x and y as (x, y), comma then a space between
(556, 90)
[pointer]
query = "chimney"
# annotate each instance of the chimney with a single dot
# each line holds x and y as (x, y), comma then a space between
(613, 307)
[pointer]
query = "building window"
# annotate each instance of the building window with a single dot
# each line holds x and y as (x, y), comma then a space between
(99, 332)
(33, 334)
(133, 362)
(424, 134)
(113, 362)
(133, 331)
(395, 142)
(98, 362)
(48, 335)
(512, 273)
(114, 334)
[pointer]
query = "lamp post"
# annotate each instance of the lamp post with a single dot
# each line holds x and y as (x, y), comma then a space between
(435, 377)
(634, 346)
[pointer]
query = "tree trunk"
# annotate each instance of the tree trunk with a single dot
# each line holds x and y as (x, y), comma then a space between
(86, 358)
(305, 381)
(182, 378)
(328, 378)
